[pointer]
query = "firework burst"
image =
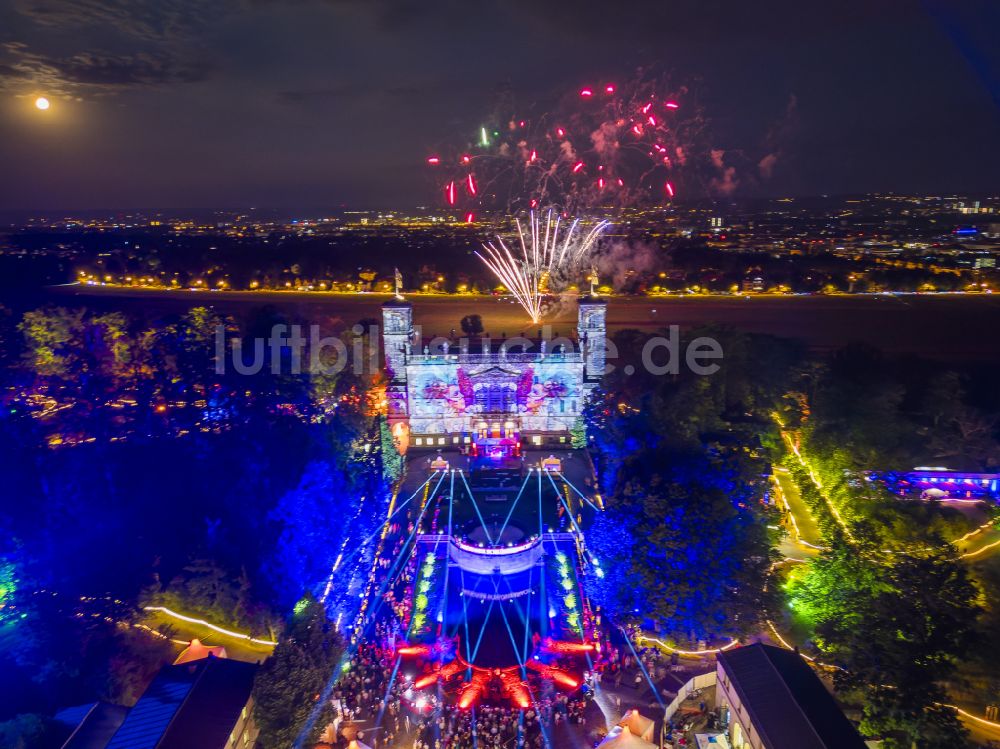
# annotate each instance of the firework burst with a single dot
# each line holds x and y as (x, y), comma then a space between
(546, 256)
(601, 146)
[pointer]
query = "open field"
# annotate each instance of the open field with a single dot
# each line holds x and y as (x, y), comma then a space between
(936, 326)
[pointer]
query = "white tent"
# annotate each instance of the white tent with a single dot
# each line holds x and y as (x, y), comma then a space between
(638, 724)
(622, 738)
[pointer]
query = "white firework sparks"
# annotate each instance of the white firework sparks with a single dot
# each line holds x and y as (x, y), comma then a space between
(544, 255)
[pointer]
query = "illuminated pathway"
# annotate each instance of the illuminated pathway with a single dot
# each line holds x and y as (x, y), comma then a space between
(804, 538)
(980, 544)
(238, 645)
(975, 546)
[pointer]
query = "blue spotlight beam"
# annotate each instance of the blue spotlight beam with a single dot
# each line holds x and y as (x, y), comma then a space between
(645, 673)
(580, 494)
(524, 616)
(475, 506)
(465, 620)
(388, 691)
(482, 630)
(398, 565)
(562, 499)
(443, 610)
(541, 524)
(513, 641)
(527, 614)
(511, 511)
(345, 659)
(378, 530)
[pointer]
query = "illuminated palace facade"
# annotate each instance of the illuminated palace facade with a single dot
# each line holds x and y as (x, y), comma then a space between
(491, 397)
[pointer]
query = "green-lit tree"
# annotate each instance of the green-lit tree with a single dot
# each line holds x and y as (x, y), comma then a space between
(287, 685)
(392, 461)
(898, 625)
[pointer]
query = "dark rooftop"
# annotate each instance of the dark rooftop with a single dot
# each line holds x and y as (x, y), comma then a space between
(95, 724)
(787, 702)
(191, 706)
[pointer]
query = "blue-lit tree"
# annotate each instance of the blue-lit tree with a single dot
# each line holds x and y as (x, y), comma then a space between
(611, 541)
(700, 559)
(681, 465)
(313, 525)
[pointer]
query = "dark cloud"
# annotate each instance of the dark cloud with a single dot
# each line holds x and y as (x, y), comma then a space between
(326, 93)
(26, 71)
(386, 15)
(93, 72)
(318, 102)
(94, 69)
(714, 22)
(357, 92)
(80, 48)
(152, 20)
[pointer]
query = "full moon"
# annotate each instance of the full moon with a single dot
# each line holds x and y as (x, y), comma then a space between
(42, 103)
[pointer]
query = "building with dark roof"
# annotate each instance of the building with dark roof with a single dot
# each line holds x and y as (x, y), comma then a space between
(774, 700)
(93, 725)
(203, 704)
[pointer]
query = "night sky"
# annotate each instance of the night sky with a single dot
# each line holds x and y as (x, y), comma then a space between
(304, 105)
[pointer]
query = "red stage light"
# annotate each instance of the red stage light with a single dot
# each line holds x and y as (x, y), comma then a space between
(413, 650)
(425, 681)
(472, 690)
(565, 679)
(548, 672)
(558, 646)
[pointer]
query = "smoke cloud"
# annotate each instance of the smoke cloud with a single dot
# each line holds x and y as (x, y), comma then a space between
(777, 138)
(726, 183)
(766, 165)
(625, 263)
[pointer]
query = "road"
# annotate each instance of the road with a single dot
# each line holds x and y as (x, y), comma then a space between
(237, 648)
(980, 729)
(804, 539)
(804, 536)
(981, 544)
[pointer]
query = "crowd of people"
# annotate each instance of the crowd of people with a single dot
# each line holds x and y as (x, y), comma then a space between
(495, 726)
(377, 696)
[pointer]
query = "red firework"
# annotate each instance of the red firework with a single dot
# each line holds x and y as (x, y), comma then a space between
(634, 139)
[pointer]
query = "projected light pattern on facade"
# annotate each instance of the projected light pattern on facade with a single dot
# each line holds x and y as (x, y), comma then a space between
(488, 390)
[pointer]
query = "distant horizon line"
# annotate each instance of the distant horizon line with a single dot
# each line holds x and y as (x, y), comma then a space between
(313, 211)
